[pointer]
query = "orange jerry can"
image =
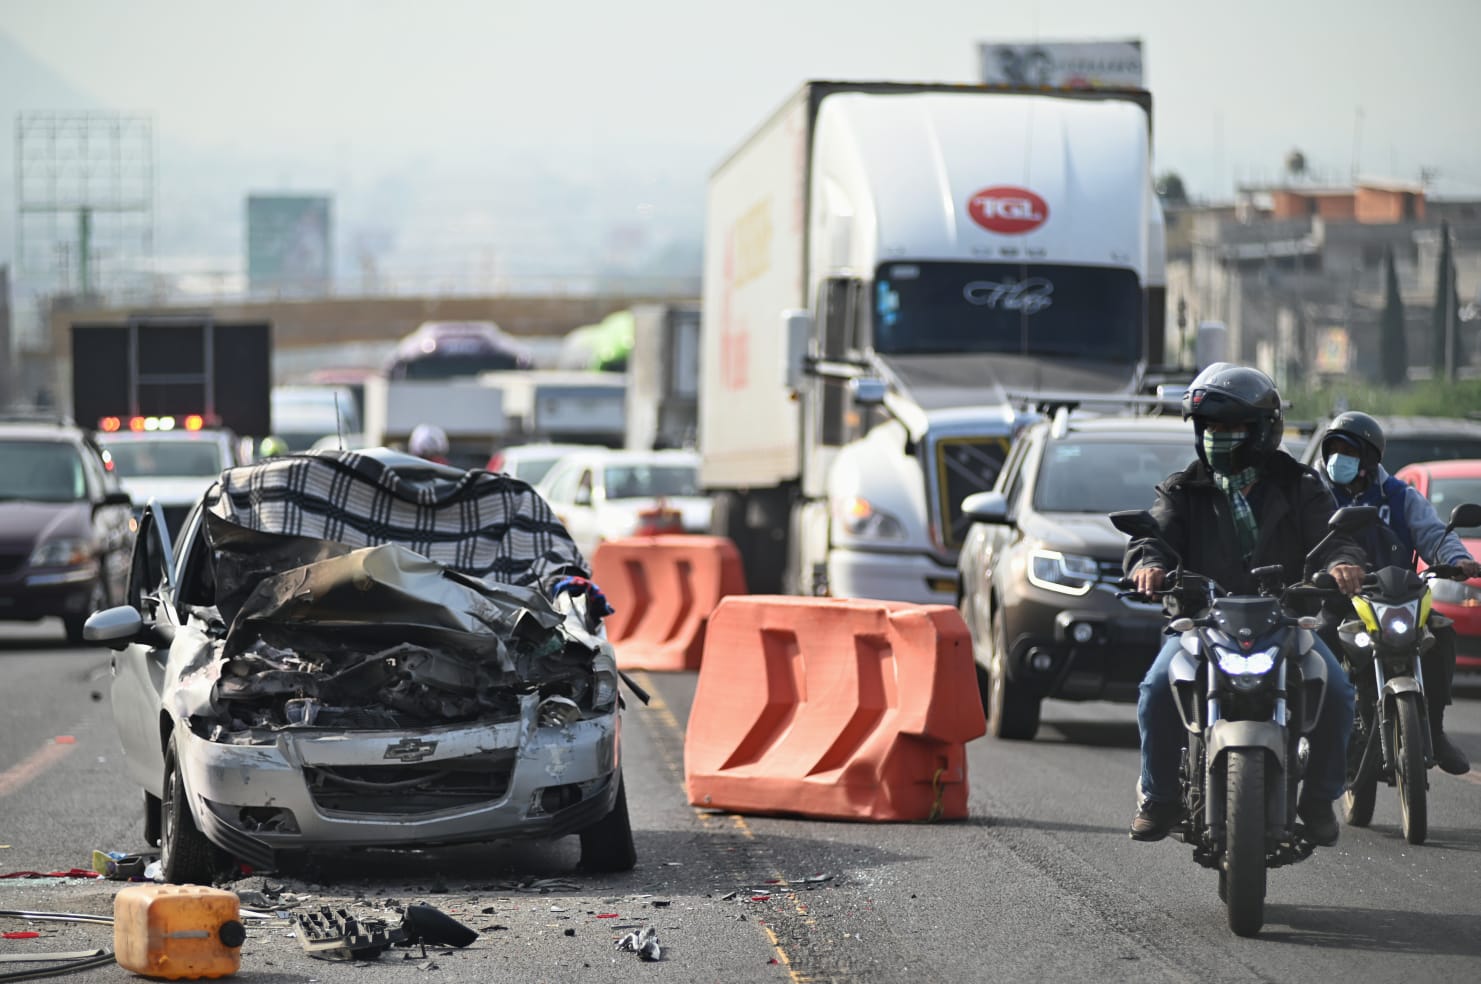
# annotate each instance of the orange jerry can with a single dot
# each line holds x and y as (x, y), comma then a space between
(178, 932)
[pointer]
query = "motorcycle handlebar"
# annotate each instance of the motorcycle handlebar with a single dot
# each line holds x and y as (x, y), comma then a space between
(1449, 572)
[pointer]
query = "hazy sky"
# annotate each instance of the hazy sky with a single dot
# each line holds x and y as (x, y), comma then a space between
(366, 83)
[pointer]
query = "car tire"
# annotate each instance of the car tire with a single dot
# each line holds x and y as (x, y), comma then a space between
(1012, 712)
(186, 856)
(607, 845)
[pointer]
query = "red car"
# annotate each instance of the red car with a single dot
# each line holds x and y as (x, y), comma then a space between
(1447, 484)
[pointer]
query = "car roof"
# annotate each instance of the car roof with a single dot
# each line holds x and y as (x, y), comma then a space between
(39, 431)
(1453, 468)
(1156, 428)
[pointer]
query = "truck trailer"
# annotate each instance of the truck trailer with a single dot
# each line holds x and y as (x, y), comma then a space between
(891, 272)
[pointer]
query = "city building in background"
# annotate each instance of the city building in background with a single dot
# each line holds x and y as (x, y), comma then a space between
(289, 245)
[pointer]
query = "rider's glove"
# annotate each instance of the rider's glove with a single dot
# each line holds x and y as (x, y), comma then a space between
(595, 600)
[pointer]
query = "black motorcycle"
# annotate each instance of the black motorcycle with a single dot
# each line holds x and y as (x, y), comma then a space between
(1382, 649)
(1248, 685)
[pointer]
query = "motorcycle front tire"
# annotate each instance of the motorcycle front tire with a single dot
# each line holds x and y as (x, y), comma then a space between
(1412, 778)
(1244, 854)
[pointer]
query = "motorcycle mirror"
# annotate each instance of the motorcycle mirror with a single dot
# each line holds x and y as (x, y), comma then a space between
(1465, 515)
(1180, 624)
(1351, 519)
(1136, 522)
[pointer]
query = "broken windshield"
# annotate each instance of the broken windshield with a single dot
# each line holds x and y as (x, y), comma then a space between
(1018, 308)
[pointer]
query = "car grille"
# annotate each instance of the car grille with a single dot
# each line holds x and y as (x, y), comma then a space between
(964, 465)
(405, 790)
(11, 562)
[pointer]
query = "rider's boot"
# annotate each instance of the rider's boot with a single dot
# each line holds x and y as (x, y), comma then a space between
(1447, 756)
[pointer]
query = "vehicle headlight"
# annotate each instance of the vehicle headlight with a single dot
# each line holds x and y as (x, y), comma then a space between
(1245, 669)
(860, 518)
(1396, 624)
(1066, 573)
(66, 552)
(603, 683)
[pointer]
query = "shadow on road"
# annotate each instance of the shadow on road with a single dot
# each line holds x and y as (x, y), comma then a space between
(1440, 838)
(1387, 930)
(1110, 734)
(678, 862)
(1034, 823)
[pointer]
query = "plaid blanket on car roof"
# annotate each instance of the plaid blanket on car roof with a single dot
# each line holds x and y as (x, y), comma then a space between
(488, 526)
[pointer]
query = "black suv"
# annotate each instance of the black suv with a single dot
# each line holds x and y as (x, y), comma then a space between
(66, 529)
(1039, 567)
(1411, 439)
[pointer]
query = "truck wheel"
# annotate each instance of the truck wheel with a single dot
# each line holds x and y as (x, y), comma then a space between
(1012, 712)
(1244, 855)
(185, 854)
(607, 845)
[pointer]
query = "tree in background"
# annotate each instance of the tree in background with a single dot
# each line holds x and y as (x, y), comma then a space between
(1394, 368)
(1445, 341)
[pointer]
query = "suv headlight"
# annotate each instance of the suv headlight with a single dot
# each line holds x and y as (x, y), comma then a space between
(67, 552)
(860, 518)
(1245, 669)
(603, 682)
(1066, 573)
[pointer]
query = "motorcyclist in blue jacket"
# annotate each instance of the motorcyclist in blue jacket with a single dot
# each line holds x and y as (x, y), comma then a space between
(1352, 454)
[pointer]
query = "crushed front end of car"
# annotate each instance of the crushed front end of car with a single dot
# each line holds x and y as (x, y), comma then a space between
(340, 697)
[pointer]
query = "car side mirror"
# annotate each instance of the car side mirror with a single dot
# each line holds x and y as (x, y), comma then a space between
(1136, 523)
(1353, 519)
(1464, 516)
(114, 627)
(986, 507)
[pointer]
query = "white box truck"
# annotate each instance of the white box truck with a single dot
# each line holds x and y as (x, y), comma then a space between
(886, 264)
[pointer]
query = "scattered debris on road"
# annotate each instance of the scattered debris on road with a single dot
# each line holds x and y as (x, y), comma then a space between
(644, 943)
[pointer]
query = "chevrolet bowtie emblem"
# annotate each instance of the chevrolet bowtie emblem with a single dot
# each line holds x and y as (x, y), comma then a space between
(411, 750)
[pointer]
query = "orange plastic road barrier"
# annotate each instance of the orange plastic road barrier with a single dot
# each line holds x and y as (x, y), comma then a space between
(664, 588)
(840, 708)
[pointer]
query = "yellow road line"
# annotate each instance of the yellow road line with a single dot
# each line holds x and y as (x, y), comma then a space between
(18, 775)
(670, 723)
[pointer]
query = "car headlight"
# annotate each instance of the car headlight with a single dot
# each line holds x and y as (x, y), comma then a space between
(1066, 573)
(1396, 625)
(860, 518)
(1449, 592)
(1245, 669)
(66, 552)
(603, 683)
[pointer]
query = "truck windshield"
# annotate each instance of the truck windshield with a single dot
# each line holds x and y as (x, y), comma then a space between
(1013, 308)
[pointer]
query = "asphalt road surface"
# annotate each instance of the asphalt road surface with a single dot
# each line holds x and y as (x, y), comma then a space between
(1041, 883)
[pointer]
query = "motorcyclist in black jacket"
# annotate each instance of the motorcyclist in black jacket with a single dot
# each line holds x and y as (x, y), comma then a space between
(1243, 504)
(1352, 451)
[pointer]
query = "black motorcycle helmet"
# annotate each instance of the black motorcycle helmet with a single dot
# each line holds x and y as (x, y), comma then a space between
(1362, 432)
(1235, 394)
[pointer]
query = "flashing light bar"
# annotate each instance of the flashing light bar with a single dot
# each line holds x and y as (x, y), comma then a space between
(190, 422)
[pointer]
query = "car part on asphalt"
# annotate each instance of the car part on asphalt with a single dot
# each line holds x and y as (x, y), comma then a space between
(643, 942)
(334, 934)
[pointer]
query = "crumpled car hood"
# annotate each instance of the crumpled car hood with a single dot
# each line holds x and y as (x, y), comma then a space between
(319, 634)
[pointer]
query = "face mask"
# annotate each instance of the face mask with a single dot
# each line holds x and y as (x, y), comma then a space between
(1342, 468)
(1218, 448)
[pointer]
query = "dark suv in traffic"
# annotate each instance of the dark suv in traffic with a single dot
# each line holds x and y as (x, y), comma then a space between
(1039, 567)
(66, 528)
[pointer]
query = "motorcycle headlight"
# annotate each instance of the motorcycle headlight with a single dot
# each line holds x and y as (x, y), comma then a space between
(1066, 573)
(67, 552)
(1244, 670)
(1396, 625)
(860, 518)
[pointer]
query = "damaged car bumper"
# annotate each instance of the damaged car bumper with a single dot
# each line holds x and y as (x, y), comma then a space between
(312, 790)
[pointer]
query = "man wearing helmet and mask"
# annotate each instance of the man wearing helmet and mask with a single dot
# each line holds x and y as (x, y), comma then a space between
(1243, 504)
(1352, 452)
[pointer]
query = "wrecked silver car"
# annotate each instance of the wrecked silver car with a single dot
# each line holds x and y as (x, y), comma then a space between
(359, 649)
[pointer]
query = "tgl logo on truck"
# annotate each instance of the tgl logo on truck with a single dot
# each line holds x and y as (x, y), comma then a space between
(1008, 210)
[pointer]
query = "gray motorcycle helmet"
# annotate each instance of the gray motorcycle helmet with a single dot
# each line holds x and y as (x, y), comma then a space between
(1361, 431)
(1234, 394)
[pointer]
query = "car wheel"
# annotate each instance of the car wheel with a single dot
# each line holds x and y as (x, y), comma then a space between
(185, 854)
(1012, 712)
(607, 845)
(97, 600)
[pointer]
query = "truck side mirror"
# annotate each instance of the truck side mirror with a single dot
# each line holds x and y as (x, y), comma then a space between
(796, 332)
